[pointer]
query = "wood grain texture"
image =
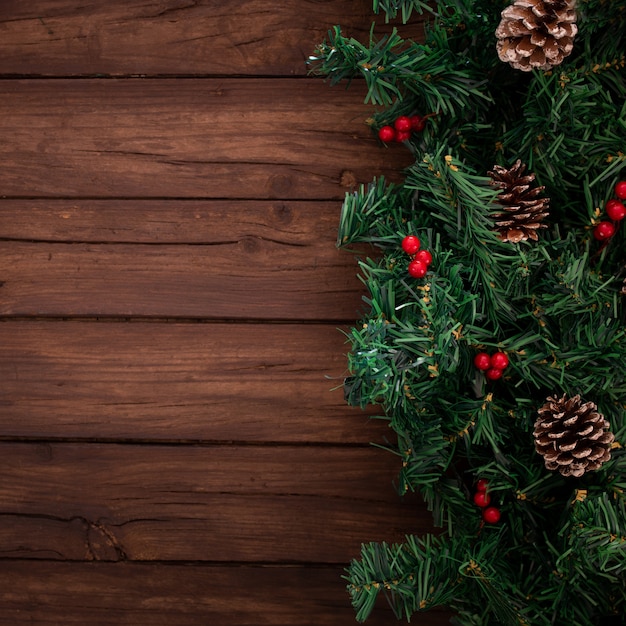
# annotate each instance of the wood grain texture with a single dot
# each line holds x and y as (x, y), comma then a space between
(177, 382)
(253, 260)
(157, 594)
(62, 37)
(211, 138)
(310, 224)
(174, 444)
(249, 279)
(201, 503)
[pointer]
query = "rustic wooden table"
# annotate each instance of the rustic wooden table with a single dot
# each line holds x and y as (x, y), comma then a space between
(171, 449)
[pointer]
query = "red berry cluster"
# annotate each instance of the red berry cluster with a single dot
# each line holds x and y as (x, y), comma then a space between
(491, 514)
(421, 258)
(402, 128)
(493, 365)
(615, 211)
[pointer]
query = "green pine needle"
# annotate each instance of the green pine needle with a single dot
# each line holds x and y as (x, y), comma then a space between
(554, 305)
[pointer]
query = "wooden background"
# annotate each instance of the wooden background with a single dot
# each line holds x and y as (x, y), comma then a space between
(171, 447)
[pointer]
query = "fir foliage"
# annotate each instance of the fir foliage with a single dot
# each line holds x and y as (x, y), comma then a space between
(555, 307)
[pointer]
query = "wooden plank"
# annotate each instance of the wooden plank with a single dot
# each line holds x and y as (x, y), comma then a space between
(62, 37)
(309, 224)
(172, 382)
(249, 260)
(305, 504)
(132, 594)
(249, 279)
(195, 138)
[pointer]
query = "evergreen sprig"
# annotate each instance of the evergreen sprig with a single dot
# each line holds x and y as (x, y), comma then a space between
(555, 306)
(404, 8)
(394, 68)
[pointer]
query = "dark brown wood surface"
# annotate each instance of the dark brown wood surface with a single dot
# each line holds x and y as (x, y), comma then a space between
(164, 594)
(271, 260)
(267, 504)
(174, 444)
(186, 138)
(180, 37)
(177, 382)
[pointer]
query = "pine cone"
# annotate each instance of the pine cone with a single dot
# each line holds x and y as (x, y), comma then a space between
(572, 436)
(536, 34)
(523, 211)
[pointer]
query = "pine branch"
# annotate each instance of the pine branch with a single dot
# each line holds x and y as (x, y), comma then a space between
(405, 8)
(414, 576)
(393, 68)
(553, 304)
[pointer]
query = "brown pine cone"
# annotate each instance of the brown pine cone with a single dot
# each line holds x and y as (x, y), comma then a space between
(523, 211)
(536, 34)
(572, 436)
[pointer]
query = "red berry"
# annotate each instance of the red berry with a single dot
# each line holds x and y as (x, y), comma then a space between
(403, 124)
(387, 134)
(615, 210)
(410, 244)
(620, 190)
(417, 269)
(418, 123)
(425, 257)
(491, 515)
(604, 231)
(482, 499)
(482, 361)
(403, 135)
(499, 360)
(493, 373)
(482, 484)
